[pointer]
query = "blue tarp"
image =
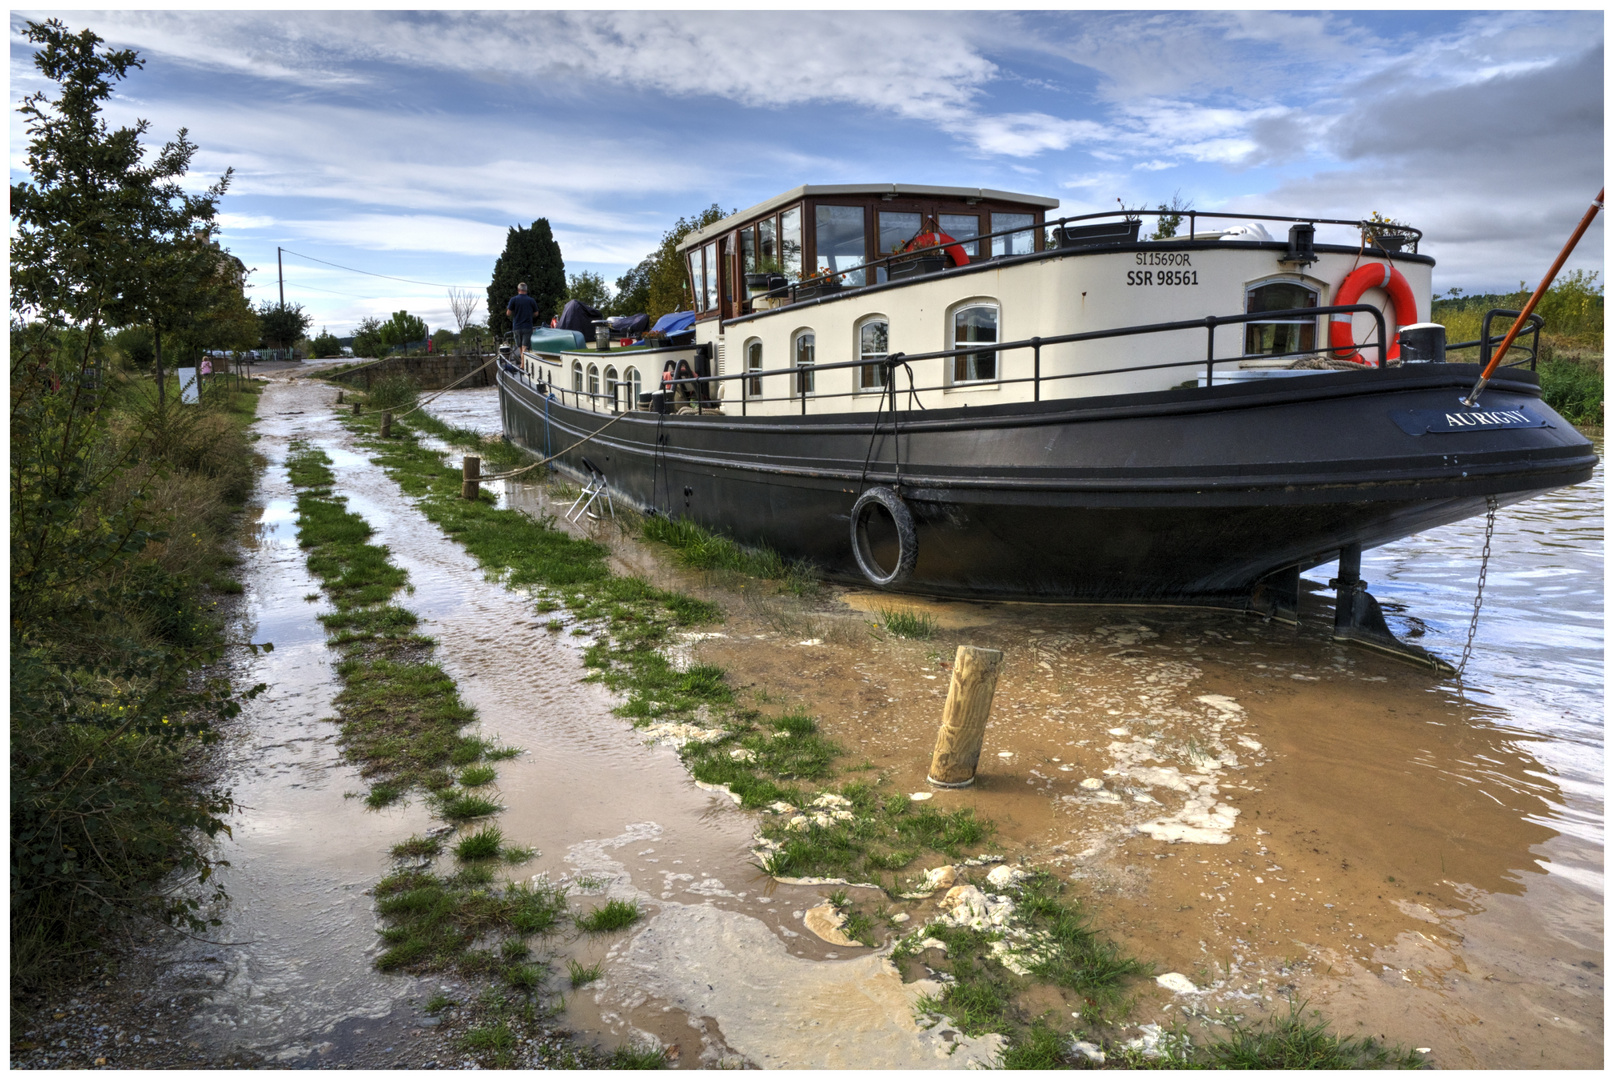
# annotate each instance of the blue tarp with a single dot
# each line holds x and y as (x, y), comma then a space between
(578, 316)
(675, 322)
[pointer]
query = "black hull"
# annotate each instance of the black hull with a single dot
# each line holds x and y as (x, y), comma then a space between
(1180, 496)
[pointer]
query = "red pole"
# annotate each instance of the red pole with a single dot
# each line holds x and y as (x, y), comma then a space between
(1580, 230)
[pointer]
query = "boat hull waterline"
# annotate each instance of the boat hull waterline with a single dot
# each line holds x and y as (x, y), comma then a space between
(1193, 496)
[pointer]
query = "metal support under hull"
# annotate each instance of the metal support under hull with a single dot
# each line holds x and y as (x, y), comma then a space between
(1183, 496)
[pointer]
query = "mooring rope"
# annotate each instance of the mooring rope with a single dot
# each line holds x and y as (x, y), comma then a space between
(552, 457)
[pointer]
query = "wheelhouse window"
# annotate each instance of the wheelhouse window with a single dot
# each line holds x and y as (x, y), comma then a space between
(577, 376)
(1280, 336)
(594, 380)
(873, 342)
(748, 251)
(697, 279)
(964, 228)
(841, 243)
(805, 349)
(897, 227)
(1016, 243)
(975, 323)
(790, 243)
(753, 362)
(709, 280)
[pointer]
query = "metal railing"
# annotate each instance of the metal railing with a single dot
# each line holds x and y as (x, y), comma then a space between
(701, 397)
(1486, 339)
(819, 279)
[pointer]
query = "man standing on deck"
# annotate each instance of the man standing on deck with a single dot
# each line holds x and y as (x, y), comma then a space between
(521, 310)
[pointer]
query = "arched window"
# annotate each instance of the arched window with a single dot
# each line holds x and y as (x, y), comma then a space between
(975, 322)
(873, 342)
(1280, 336)
(593, 380)
(611, 388)
(577, 376)
(753, 362)
(631, 379)
(805, 349)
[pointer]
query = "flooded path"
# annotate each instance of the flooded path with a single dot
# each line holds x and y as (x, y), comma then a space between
(721, 967)
(1266, 812)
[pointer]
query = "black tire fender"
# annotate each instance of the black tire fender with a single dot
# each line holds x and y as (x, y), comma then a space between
(907, 537)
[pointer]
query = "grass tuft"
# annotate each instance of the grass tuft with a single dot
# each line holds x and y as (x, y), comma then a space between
(482, 844)
(580, 975)
(908, 624)
(611, 915)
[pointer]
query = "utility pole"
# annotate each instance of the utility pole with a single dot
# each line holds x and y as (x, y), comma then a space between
(281, 265)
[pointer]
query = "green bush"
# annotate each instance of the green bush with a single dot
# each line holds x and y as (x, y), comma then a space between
(393, 392)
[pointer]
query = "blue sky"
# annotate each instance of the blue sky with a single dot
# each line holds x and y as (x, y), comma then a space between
(406, 143)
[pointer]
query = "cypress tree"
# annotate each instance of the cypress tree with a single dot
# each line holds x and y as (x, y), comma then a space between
(530, 255)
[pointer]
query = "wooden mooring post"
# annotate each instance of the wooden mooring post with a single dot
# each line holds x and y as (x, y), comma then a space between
(339, 397)
(356, 405)
(386, 425)
(969, 704)
(471, 477)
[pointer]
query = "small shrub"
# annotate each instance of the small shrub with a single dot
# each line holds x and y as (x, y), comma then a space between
(393, 392)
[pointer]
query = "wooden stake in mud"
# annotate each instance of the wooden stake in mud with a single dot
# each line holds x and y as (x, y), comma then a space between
(969, 703)
(471, 483)
(356, 408)
(386, 425)
(339, 397)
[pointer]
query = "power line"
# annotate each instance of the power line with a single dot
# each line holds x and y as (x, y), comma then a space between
(389, 277)
(332, 292)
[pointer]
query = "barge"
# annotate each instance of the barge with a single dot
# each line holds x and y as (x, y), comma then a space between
(943, 391)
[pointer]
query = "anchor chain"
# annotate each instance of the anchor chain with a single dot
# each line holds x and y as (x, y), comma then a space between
(1479, 592)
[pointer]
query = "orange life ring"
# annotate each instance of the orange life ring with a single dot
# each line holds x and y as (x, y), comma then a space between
(955, 250)
(1358, 281)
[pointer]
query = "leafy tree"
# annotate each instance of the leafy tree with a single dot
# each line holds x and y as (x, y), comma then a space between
(1171, 215)
(533, 256)
(100, 232)
(367, 338)
(668, 288)
(283, 324)
(633, 289)
(590, 288)
(402, 329)
(325, 344)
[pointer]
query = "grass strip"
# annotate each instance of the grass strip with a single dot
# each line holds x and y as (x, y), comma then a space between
(402, 721)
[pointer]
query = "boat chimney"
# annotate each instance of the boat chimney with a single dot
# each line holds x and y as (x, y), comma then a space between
(1302, 241)
(1423, 343)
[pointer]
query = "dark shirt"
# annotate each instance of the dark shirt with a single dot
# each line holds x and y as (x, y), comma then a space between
(522, 308)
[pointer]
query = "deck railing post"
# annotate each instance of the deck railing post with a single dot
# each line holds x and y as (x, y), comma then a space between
(1036, 369)
(1210, 350)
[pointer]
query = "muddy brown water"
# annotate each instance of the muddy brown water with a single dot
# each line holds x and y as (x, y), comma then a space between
(1279, 817)
(1420, 858)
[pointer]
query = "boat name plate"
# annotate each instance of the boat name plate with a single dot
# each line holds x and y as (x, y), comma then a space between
(1445, 421)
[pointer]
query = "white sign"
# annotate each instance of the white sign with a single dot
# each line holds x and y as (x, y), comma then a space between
(189, 390)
